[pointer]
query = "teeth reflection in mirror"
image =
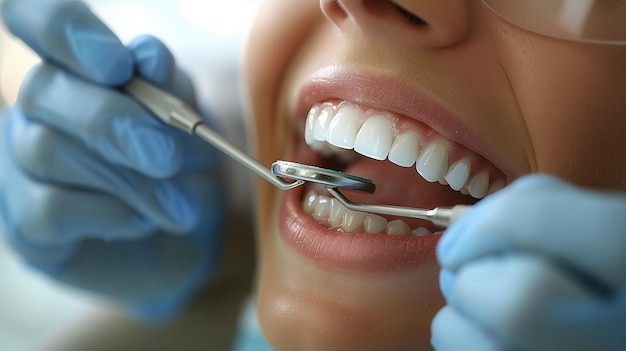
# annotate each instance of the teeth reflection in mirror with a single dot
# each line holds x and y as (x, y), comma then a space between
(479, 184)
(459, 173)
(433, 162)
(405, 149)
(343, 128)
(375, 137)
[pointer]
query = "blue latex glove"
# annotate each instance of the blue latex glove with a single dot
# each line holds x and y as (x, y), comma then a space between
(94, 191)
(540, 265)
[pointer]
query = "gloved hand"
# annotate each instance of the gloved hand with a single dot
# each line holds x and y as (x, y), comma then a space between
(94, 191)
(540, 265)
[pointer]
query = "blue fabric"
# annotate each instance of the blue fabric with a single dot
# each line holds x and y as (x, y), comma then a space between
(94, 191)
(540, 265)
(249, 336)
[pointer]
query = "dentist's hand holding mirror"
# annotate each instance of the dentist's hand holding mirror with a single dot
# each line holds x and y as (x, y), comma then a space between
(94, 191)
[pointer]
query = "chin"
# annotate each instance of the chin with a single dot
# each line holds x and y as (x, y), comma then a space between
(303, 305)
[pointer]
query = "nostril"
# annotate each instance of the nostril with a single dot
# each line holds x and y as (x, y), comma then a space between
(333, 8)
(392, 9)
(435, 24)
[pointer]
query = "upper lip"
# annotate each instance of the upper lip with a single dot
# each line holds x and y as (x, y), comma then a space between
(388, 93)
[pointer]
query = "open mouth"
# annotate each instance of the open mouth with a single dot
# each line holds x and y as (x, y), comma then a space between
(411, 165)
(350, 122)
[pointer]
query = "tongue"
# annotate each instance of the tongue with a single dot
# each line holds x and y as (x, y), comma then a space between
(401, 186)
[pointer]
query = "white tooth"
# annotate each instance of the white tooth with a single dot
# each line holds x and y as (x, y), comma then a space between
(495, 186)
(374, 138)
(398, 227)
(459, 173)
(322, 208)
(374, 224)
(405, 149)
(464, 191)
(353, 220)
(433, 162)
(343, 128)
(479, 185)
(336, 213)
(310, 125)
(308, 203)
(320, 127)
(421, 231)
(443, 181)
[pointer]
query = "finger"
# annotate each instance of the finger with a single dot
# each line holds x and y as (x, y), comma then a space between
(44, 222)
(45, 215)
(452, 332)
(108, 122)
(156, 63)
(566, 224)
(446, 281)
(70, 35)
(154, 275)
(151, 277)
(54, 158)
(530, 303)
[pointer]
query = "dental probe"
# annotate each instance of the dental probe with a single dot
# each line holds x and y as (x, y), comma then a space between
(441, 216)
(175, 112)
(333, 180)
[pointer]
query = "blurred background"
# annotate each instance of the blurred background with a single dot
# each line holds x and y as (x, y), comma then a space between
(206, 38)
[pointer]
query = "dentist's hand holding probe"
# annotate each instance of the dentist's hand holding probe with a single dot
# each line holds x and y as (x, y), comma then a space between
(94, 191)
(540, 265)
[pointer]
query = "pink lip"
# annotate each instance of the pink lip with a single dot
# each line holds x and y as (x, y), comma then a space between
(361, 251)
(351, 251)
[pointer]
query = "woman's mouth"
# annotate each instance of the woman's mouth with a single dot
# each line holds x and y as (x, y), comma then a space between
(358, 140)
(412, 165)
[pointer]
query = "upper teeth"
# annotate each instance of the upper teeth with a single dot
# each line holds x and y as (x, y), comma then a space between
(332, 129)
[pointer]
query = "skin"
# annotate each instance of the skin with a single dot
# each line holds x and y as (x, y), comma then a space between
(546, 105)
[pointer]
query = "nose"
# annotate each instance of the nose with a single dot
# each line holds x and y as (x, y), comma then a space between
(432, 23)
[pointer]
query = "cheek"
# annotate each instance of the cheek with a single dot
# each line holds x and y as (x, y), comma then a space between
(279, 30)
(572, 99)
(274, 39)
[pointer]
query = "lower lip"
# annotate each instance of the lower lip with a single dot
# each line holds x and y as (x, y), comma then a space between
(351, 251)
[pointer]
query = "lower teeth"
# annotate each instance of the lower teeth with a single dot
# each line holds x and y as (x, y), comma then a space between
(329, 212)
